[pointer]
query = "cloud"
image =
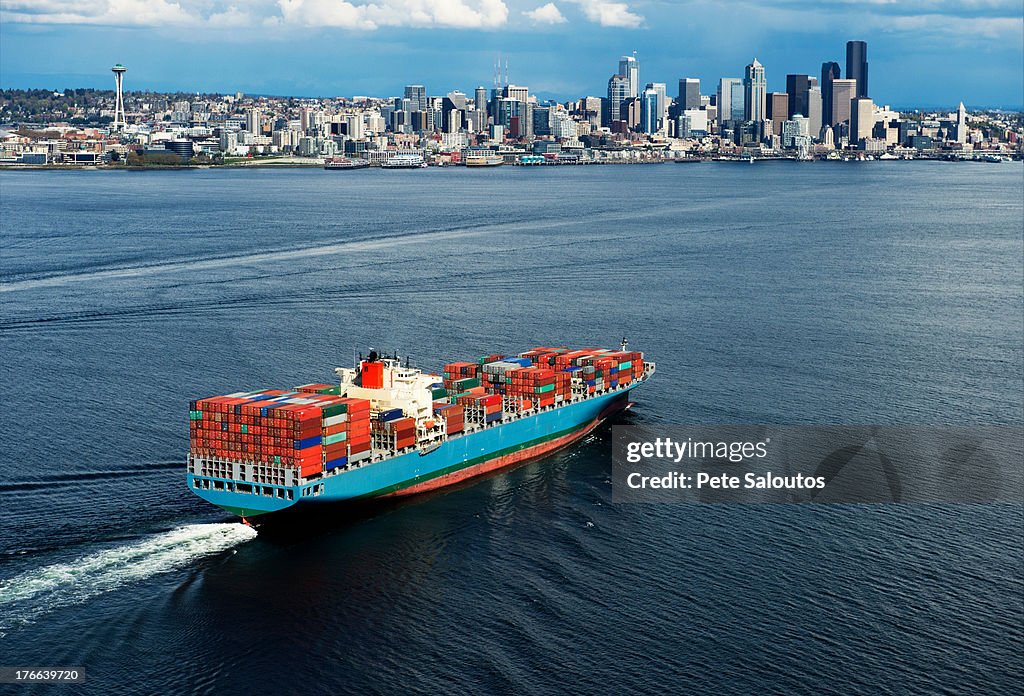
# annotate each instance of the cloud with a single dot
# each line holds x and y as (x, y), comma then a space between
(610, 14)
(105, 12)
(354, 14)
(546, 14)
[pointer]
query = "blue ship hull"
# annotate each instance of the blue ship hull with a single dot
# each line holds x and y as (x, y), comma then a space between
(456, 459)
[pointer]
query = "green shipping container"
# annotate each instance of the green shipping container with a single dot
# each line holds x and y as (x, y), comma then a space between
(467, 383)
(337, 437)
(625, 365)
(333, 391)
(438, 394)
(545, 388)
(334, 410)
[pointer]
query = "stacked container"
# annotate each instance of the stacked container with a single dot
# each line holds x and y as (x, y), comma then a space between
(481, 408)
(460, 376)
(273, 428)
(393, 433)
(453, 416)
(495, 374)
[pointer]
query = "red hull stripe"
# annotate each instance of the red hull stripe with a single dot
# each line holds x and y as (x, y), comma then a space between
(498, 462)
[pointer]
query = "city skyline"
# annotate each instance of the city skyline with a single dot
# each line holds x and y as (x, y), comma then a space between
(917, 59)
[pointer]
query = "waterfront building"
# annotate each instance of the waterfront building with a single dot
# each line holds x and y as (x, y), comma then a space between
(796, 133)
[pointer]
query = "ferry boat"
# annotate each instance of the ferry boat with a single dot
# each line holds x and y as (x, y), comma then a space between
(405, 161)
(344, 163)
(484, 161)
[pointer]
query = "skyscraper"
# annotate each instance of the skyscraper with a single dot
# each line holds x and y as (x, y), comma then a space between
(857, 65)
(961, 123)
(417, 96)
(754, 92)
(119, 120)
(797, 87)
(829, 72)
(618, 92)
(629, 68)
(862, 119)
(814, 108)
(516, 92)
(730, 99)
(778, 110)
(843, 91)
(253, 121)
(689, 93)
(661, 90)
(480, 99)
(650, 116)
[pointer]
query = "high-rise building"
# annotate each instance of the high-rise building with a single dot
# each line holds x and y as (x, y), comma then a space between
(754, 92)
(961, 123)
(689, 93)
(829, 72)
(119, 120)
(253, 121)
(814, 109)
(797, 87)
(778, 110)
(618, 92)
(650, 115)
(857, 65)
(417, 96)
(631, 112)
(516, 92)
(629, 67)
(728, 90)
(843, 91)
(661, 89)
(480, 99)
(862, 119)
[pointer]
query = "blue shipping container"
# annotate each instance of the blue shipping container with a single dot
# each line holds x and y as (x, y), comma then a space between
(308, 442)
(393, 414)
(335, 463)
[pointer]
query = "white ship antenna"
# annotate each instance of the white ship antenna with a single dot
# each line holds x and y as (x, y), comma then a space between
(625, 344)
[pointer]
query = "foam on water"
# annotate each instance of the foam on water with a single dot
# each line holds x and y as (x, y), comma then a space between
(39, 590)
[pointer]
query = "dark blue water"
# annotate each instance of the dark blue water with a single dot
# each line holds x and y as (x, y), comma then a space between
(782, 293)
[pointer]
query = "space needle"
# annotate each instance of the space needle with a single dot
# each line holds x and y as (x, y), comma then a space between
(119, 121)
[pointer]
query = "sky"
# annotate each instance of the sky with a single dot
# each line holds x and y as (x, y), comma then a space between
(922, 53)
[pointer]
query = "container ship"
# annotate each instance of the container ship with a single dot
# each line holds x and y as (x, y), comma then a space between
(386, 429)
